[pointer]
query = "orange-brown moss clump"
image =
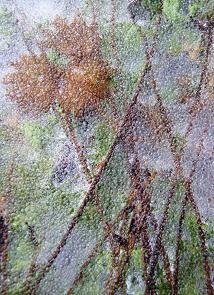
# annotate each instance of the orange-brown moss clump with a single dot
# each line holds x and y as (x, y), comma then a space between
(79, 85)
(77, 40)
(32, 85)
(84, 87)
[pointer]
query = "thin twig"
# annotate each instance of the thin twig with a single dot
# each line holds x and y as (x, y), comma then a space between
(121, 216)
(33, 265)
(72, 136)
(168, 129)
(178, 240)
(202, 237)
(90, 194)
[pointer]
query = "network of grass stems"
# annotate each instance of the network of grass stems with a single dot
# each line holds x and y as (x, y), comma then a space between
(138, 204)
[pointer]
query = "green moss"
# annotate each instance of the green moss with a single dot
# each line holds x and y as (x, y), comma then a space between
(154, 6)
(174, 46)
(169, 94)
(172, 10)
(136, 259)
(36, 135)
(94, 275)
(103, 140)
(56, 59)
(43, 24)
(90, 217)
(201, 8)
(188, 41)
(179, 141)
(162, 285)
(131, 82)
(128, 36)
(193, 9)
(6, 22)
(52, 120)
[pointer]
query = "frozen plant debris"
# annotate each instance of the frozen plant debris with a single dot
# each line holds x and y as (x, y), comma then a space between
(106, 141)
